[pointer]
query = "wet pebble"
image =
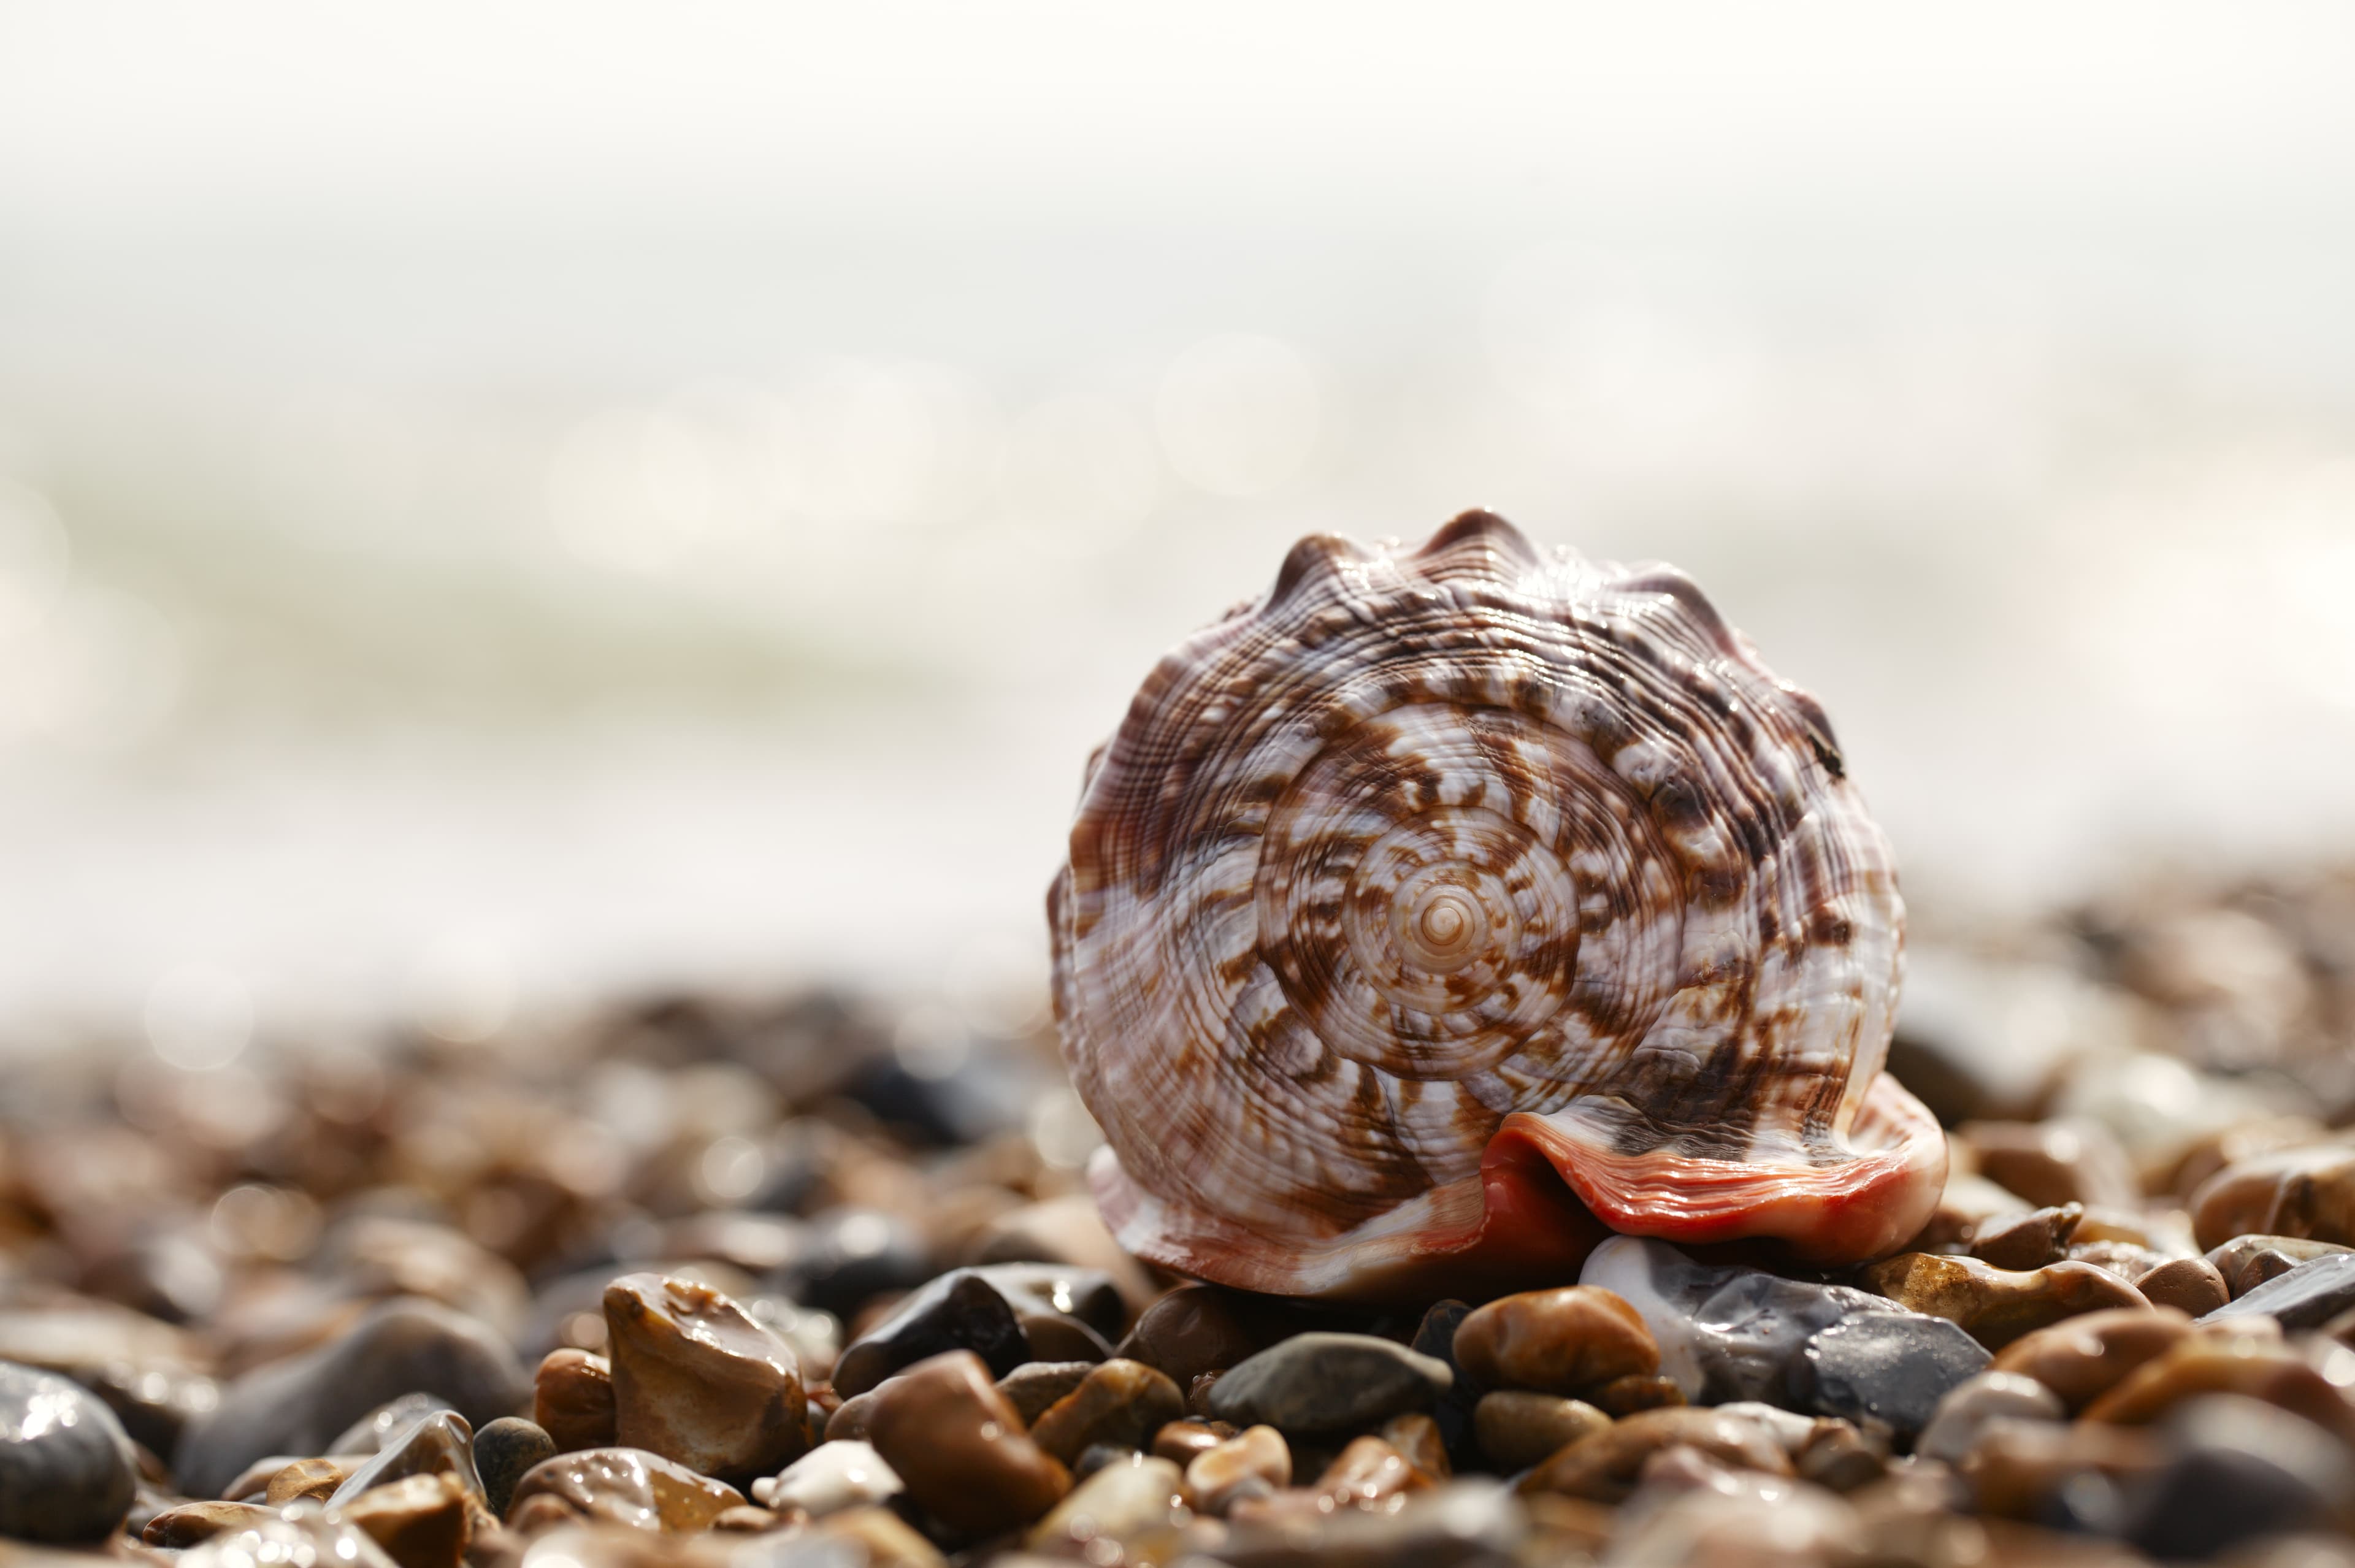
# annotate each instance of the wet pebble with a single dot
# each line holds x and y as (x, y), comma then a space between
(1516, 1427)
(1125, 1502)
(1970, 1405)
(2308, 1193)
(2083, 1358)
(1180, 1440)
(65, 1466)
(2242, 1469)
(2306, 1297)
(572, 1400)
(626, 1487)
(1564, 1341)
(2247, 1261)
(960, 1310)
(1190, 1330)
(1885, 1373)
(2027, 1241)
(1122, 1402)
(1996, 1305)
(1604, 1467)
(2256, 1365)
(1370, 1474)
(2053, 1163)
(1417, 1437)
(421, 1520)
(388, 1421)
(1467, 1521)
(1033, 1386)
(1434, 1336)
(829, 1479)
(960, 1446)
(313, 1478)
(852, 1255)
(503, 1451)
(1252, 1464)
(1326, 1382)
(190, 1523)
(439, 1443)
(290, 1539)
(295, 1407)
(2193, 1286)
(697, 1380)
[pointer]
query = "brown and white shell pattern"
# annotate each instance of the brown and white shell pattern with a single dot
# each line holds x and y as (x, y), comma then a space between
(1436, 877)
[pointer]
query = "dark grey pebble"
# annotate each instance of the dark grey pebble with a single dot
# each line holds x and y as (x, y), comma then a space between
(299, 1404)
(66, 1468)
(1435, 1337)
(504, 1450)
(1329, 1383)
(2311, 1294)
(1885, 1372)
(961, 1310)
(2245, 1469)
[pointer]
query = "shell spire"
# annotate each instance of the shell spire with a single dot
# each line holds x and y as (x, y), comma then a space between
(1444, 911)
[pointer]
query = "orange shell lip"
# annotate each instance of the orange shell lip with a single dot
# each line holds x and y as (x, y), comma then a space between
(1548, 1194)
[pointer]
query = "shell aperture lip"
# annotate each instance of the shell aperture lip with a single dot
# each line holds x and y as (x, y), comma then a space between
(1447, 909)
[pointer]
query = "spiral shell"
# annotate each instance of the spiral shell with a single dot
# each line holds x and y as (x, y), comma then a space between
(1444, 911)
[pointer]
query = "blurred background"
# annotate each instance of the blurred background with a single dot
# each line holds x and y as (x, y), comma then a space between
(504, 504)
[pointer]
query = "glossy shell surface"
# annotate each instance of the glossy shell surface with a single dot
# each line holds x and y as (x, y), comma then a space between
(1445, 909)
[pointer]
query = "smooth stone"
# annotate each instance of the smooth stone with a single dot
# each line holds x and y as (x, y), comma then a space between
(697, 1380)
(849, 1421)
(1370, 1474)
(2027, 1241)
(960, 1310)
(1963, 1414)
(747, 1520)
(291, 1538)
(829, 1479)
(1724, 1332)
(960, 1447)
(881, 1538)
(438, 1443)
(1604, 1467)
(313, 1478)
(387, 1256)
(152, 1375)
(295, 1407)
(2306, 1296)
(67, 1473)
(1469, 1521)
(1180, 1441)
(1693, 1511)
(572, 1400)
(627, 1487)
(369, 1434)
(852, 1256)
(1123, 1501)
(1564, 1341)
(1190, 1330)
(1981, 1038)
(1996, 1306)
(2308, 1193)
(1965, 1203)
(198, 1521)
(2254, 1365)
(1417, 1437)
(420, 1521)
(1434, 1336)
(2061, 1473)
(2243, 1469)
(1252, 1464)
(1626, 1395)
(2053, 1162)
(1886, 1373)
(1055, 1336)
(1839, 1457)
(503, 1451)
(1088, 1297)
(1122, 1402)
(2248, 1262)
(1069, 1231)
(2193, 1286)
(1518, 1428)
(2082, 1359)
(2127, 1260)
(1033, 1386)
(1329, 1383)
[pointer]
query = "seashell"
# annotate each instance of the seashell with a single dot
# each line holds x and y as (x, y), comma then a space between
(1442, 911)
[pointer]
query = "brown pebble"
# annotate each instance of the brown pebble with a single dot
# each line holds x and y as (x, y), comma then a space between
(2257, 1364)
(2248, 1262)
(1058, 1337)
(748, 1519)
(960, 1446)
(2083, 1358)
(697, 1380)
(1556, 1341)
(2188, 1285)
(1122, 1402)
(1190, 1330)
(2027, 1241)
(572, 1400)
(1604, 1467)
(625, 1486)
(1996, 1306)
(2053, 1163)
(1625, 1396)
(2308, 1193)
(2127, 1260)
(883, 1539)
(849, 1421)
(1370, 1474)
(191, 1522)
(2020, 1466)
(306, 1478)
(1180, 1440)
(1253, 1463)
(1418, 1437)
(1198, 1394)
(1516, 1427)
(1033, 1386)
(1836, 1457)
(420, 1521)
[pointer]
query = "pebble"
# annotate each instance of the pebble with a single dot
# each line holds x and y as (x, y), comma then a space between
(572, 1400)
(961, 1310)
(2083, 1358)
(627, 1487)
(960, 1447)
(1417, 1437)
(371, 1432)
(504, 1450)
(2027, 1241)
(1564, 1341)
(1469, 1521)
(2030, 1470)
(1885, 1373)
(829, 1479)
(1253, 1463)
(2247, 1261)
(2052, 1163)
(1326, 1381)
(882, 1539)
(421, 1520)
(1996, 1305)
(1732, 1517)
(1370, 1474)
(314, 1479)
(1031, 1387)
(295, 1407)
(1180, 1440)
(439, 1443)
(1190, 1330)
(854, 1254)
(1626, 1395)
(1516, 1427)
(152, 1374)
(291, 1539)
(1964, 1413)
(65, 1467)
(2243, 1469)
(191, 1522)
(1122, 1402)
(2306, 1296)
(850, 1418)
(2191, 1286)
(1127, 1502)
(1087, 1297)
(2255, 1365)
(697, 1380)
(1604, 1467)
(1434, 1336)
(2308, 1193)
(1070, 1232)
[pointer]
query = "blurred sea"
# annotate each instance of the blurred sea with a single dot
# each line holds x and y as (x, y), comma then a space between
(509, 507)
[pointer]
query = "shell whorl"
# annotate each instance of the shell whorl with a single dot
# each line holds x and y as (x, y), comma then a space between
(1433, 865)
